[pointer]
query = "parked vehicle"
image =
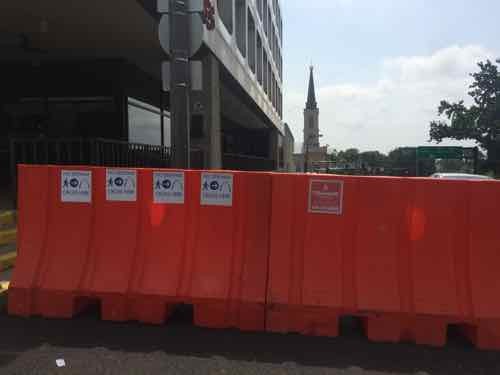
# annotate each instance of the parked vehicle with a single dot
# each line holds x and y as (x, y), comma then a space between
(460, 176)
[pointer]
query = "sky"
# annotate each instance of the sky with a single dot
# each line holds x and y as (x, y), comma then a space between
(382, 66)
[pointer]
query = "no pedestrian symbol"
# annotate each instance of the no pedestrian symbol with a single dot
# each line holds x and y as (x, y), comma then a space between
(325, 196)
(168, 187)
(76, 186)
(217, 189)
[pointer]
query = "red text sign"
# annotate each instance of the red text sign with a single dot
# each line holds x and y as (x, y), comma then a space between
(325, 197)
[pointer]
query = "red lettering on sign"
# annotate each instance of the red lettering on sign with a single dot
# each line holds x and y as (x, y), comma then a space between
(325, 196)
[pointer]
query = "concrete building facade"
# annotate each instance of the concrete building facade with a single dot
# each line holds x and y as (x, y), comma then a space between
(93, 70)
(241, 100)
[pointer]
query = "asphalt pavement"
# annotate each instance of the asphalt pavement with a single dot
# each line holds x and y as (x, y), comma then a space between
(91, 346)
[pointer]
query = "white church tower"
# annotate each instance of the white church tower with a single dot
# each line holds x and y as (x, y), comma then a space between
(311, 119)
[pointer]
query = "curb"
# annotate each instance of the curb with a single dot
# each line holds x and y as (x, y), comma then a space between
(8, 236)
(4, 287)
(7, 218)
(7, 261)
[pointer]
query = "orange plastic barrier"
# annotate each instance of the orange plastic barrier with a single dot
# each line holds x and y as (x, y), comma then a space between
(407, 256)
(214, 257)
(282, 252)
(141, 241)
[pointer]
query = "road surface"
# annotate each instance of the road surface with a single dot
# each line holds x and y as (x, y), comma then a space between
(90, 346)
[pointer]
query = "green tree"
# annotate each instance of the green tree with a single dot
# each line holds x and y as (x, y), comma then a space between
(348, 156)
(479, 122)
(403, 162)
(373, 158)
(332, 156)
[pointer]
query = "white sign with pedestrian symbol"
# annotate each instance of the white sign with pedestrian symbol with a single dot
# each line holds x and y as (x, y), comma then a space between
(121, 185)
(168, 187)
(76, 186)
(217, 189)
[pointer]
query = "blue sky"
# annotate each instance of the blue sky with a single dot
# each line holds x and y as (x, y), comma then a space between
(381, 67)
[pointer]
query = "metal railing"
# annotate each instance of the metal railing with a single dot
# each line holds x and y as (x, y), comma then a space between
(247, 162)
(84, 151)
(81, 151)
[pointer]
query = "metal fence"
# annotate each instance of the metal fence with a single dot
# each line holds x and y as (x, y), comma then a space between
(247, 163)
(84, 151)
(80, 151)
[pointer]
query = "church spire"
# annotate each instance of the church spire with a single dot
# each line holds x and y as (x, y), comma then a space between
(311, 94)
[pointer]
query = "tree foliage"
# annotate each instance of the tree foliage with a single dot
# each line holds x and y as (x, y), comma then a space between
(373, 158)
(350, 155)
(480, 121)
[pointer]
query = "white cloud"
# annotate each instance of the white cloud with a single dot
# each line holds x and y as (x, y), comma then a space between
(318, 4)
(395, 110)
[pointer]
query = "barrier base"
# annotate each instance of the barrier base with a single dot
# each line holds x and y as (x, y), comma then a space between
(484, 335)
(150, 309)
(421, 330)
(243, 316)
(20, 302)
(383, 328)
(307, 321)
(58, 304)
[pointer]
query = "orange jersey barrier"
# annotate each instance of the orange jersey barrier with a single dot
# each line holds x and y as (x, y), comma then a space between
(141, 241)
(407, 256)
(260, 251)
(215, 256)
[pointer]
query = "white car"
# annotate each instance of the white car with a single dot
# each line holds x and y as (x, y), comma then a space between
(460, 176)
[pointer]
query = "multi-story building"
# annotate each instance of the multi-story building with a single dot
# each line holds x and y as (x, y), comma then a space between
(81, 71)
(242, 60)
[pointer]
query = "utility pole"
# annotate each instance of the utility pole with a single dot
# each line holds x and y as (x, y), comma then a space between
(180, 85)
(176, 40)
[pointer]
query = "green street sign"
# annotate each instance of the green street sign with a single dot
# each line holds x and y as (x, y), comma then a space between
(436, 152)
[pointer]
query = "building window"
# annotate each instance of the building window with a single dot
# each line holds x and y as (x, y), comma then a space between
(241, 27)
(264, 20)
(85, 117)
(259, 59)
(259, 8)
(144, 124)
(225, 8)
(264, 68)
(275, 96)
(281, 152)
(269, 78)
(269, 25)
(251, 41)
(273, 89)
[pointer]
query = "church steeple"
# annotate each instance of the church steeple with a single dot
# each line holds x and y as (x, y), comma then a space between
(311, 94)
(311, 118)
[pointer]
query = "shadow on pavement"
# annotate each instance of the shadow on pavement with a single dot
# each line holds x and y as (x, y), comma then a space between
(180, 337)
